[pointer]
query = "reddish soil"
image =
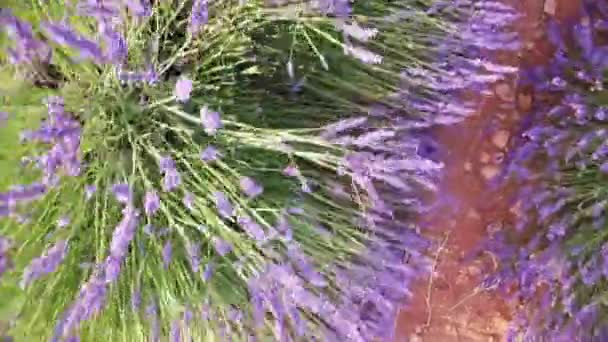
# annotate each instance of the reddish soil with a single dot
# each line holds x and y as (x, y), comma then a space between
(450, 305)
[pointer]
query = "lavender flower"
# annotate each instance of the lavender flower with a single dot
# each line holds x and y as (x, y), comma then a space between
(90, 301)
(140, 8)
(284, 227)
(555, 262)
(221, 246)
(112, 268)
(123, 193)
(210, 153)
(26, 49)
(210, 120)
(223, 205)
(291, 171)
(116, 49)
(166, 164)
(199, 16)
(171, 180)
(183, 88)
(250, 187)
(208, 273)
(253, 229)
(45, 264)
(124, 232)
(188, 315)
(175, 331)
(151, 203)
(62, 34)
(23, 194)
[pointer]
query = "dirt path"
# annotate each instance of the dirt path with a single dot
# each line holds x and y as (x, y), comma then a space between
(451, 305)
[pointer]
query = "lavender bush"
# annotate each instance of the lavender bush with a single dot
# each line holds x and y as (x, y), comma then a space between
(223, 169)
(555, 256)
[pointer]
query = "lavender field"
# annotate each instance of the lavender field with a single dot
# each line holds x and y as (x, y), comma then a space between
(322, 170)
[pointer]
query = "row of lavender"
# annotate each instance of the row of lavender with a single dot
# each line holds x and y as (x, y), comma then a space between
(330, 260)
(554, 259)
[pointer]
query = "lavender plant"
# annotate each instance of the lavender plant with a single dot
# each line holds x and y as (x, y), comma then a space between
(553, 260)
(175, 186)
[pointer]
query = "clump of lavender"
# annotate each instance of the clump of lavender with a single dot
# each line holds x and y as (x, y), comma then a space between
(194, 185)
(554, 258)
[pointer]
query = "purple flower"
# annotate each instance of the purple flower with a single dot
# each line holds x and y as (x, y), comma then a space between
(199, 16)
(306, 187)
(124, 232)
(64, 35)
(302, 263)
(140, 8)
(45, 264)
(291, 171)
(23, 194)
(284, 227)
(250, 187)
(151, 203)
(221, 247)
(112, 268)
(251, 227)
(116, 47)
(223, 205)
(208, 273)
(167, 252)
(166, 164)
(101, 11)
(171, 180)
(175, 331)
(123, 193)
(598, 208)
(188, 315)
(210, 153)
(183, 88)
(26, 48)
(210, 120)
